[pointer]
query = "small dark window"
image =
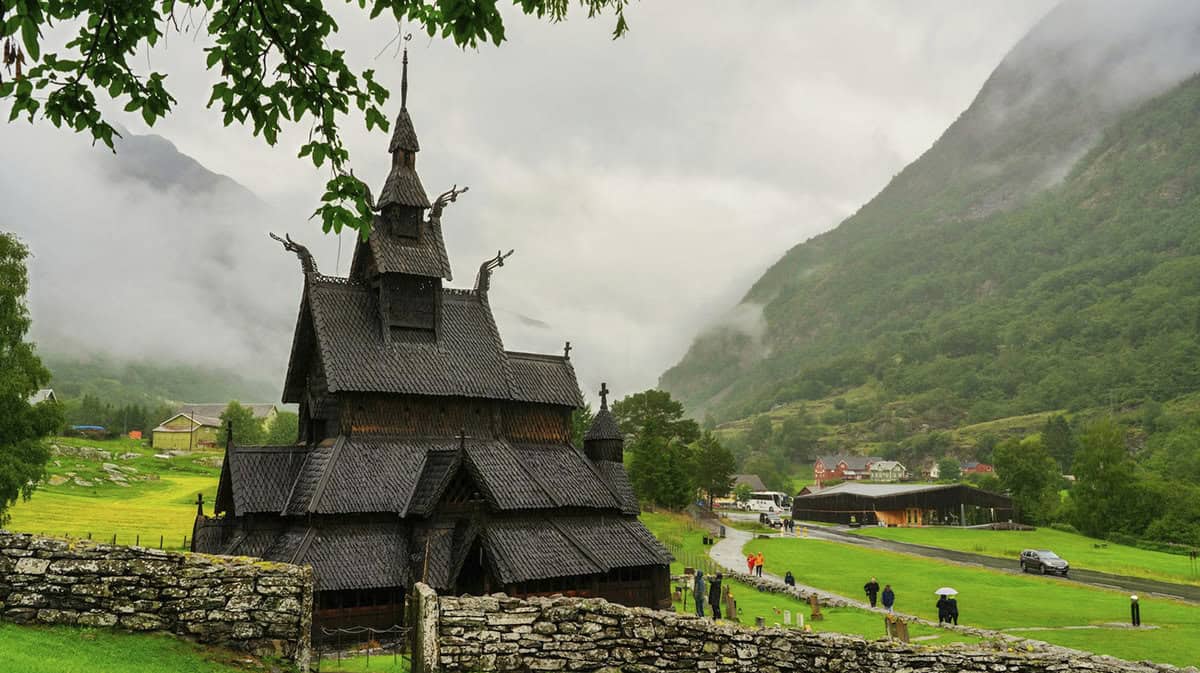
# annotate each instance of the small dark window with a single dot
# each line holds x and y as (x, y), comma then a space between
(403, 222)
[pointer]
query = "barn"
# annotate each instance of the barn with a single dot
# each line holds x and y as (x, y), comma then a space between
(903, 505)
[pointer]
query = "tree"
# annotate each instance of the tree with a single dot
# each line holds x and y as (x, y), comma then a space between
(742, 493)
(274, 63)
(1030, 476)
(581, 420)
(1104, 480)
(759, 434)
(713, 467)
(661, 471)
(1059, 441)
(247, 430)
(653, 412)
(949, 469)
(23, 426)
(283, 430)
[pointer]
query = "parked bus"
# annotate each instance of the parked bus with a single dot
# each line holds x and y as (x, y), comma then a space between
(768, 501)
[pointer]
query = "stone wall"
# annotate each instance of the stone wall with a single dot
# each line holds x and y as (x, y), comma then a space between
(497, 633)
(252, 606)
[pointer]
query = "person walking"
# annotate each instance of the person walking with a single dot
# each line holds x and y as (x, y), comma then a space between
(789, 579)
(943, 610)
(698, 592)
(758, 564)
(714, 596)
(952, 610)
(872, 590)
(889, 598)
(750, 563)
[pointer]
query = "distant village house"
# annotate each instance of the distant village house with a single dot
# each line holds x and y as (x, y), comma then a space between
(888, 470)
(43, 395)
(195, 426)
(973, 467)
(843, 467)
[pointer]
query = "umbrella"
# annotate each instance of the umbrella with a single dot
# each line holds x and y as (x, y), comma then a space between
(946, 591)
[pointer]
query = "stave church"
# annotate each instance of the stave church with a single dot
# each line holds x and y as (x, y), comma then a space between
(428, 452)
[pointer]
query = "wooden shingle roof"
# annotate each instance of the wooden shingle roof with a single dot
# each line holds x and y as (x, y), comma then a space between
(604, 427)
(424, 257)
(533, 548)
(468, 360)
(538, 476)
(260, 478)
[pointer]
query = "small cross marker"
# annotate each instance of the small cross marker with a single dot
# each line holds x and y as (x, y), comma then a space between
(603, 395)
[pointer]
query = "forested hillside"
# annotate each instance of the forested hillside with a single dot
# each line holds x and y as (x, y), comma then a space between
(1043, 254)
(118, 382)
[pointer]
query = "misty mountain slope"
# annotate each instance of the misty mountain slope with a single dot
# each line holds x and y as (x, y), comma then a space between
(978, 286)
(120, 382)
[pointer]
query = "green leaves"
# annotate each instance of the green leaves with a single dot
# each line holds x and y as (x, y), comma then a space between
(276, 61)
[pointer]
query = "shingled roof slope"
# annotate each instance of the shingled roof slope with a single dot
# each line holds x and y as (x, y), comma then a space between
(538, 476)
(261, 477)
(370, 475)
(619, 483)
(531, 548)
(544, 378)
(427, 257)
(467, 360)
(604, 427)
(403, 188)
(305, 484)
(404, 135)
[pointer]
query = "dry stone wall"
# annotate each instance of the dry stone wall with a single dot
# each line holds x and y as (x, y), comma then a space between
(252, 606)
(498, 633)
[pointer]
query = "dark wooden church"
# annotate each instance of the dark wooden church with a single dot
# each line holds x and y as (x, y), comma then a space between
(427, 451)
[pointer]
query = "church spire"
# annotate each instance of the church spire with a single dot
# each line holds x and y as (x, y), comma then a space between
(404, 78)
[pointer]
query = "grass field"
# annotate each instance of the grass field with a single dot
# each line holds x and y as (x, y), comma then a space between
(997, 600)
(680, 532)
(64, 649)
(157, 498)
(1081, 551)
(40, 649)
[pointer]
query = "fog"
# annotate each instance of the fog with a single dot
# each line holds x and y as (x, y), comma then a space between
(644, 183)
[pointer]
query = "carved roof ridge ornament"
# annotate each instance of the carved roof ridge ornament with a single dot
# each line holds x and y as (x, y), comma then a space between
(444, 199)
(603, 394)
(483, 281)
(306, 258)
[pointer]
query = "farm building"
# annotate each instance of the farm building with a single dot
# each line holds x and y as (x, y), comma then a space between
(265, 413)
(903, 505)
(888, 470)
(43, 395)
(752, 481)
(428, 452)
(186, 432)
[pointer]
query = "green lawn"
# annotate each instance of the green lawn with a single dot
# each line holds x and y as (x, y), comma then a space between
(158, 500)
(997, 600)
(362, 664)
(62, 649)
(681, 532)
(1081, 551)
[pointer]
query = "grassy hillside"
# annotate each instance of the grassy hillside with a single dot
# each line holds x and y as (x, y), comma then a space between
(978, 285)
(1088, 293)
(148, 498)
(118, 382)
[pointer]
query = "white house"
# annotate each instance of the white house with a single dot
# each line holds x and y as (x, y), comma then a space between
(888, 470)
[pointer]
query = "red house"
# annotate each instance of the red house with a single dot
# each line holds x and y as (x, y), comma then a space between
(972, 467)
(844, 467)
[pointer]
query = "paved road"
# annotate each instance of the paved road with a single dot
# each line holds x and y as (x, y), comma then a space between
(1137, 585)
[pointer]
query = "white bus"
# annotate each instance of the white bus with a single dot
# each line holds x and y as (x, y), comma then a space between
(768, 501)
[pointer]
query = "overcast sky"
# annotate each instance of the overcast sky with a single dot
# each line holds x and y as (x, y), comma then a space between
(645, 183)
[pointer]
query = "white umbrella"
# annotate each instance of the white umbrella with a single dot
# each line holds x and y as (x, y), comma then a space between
(946, 591)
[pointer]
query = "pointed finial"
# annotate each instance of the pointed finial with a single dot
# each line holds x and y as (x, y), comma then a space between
(604, 396)
(567, 351)
(404, 76)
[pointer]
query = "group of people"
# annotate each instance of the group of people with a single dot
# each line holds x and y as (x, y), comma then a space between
(789, 526)
(712, 595)
(871, 588)
(754, 564)
(947, 607)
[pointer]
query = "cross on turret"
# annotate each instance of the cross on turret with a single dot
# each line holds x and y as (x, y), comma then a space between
(603, 395)
(567, 351)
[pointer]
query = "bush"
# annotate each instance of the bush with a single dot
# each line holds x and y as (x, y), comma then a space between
(1065, 527)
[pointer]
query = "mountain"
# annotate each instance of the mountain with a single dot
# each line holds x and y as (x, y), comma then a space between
(120, 382)
(1042, 254)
